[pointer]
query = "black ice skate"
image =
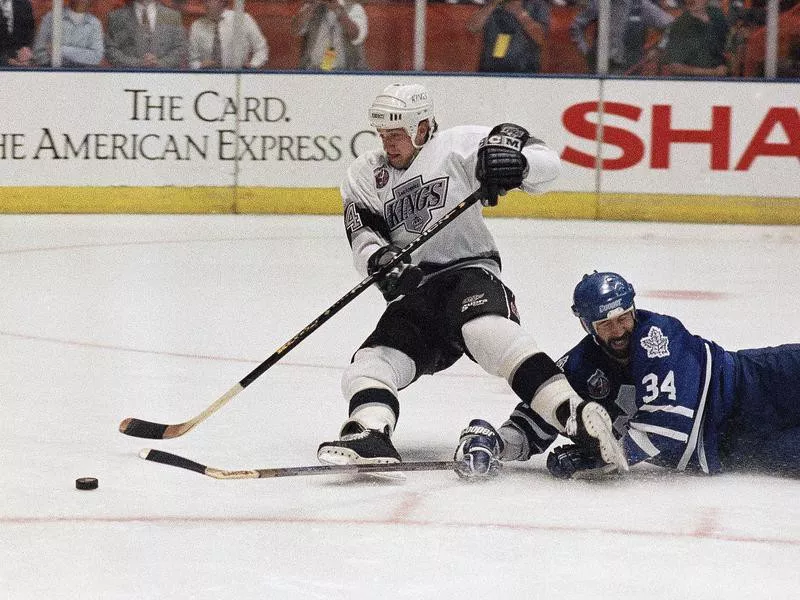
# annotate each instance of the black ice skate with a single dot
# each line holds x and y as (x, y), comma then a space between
(358, 446)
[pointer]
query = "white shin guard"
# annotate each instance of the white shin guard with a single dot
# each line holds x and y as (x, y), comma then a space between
(379, 367)
(498, 345)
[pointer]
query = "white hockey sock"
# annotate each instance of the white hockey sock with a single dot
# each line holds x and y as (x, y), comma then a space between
(550, 396)
(515, 444)
(375, 416)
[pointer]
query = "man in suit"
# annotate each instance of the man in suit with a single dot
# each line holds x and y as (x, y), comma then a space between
(146, 34)
(17, 29)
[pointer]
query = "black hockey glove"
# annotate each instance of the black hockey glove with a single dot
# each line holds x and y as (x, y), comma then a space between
(575, 462)
(501, 165)
(478, 451)
(590, 426)
(401, 279)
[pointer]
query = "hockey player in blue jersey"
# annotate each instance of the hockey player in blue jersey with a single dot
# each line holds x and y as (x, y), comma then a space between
(677, 400)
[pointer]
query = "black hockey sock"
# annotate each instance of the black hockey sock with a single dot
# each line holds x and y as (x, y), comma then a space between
(372, 396)
(532, 374)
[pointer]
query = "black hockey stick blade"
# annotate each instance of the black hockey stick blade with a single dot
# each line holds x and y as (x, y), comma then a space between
(167, 458)
(160, 431)
(143, 429)
(148, 429)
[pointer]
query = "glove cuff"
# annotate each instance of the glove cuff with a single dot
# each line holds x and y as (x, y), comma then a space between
(513, 131)
(383, 256)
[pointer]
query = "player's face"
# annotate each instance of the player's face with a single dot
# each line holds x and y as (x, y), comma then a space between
(615, 334)
(399, 149)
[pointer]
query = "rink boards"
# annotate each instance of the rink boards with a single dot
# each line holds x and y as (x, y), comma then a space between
(129, 142)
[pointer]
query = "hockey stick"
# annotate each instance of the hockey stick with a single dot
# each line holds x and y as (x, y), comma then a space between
(167, 458)
(158, 431)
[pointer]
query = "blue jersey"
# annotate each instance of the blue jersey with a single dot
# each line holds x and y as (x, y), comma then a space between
(685, 403)
(672, 403)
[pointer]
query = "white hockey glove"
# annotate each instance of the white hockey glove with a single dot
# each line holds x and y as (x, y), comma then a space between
(501, 165)
(402, 279)
(478, 451)
(590, 427)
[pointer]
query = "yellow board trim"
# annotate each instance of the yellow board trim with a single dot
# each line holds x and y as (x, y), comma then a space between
(326, 201)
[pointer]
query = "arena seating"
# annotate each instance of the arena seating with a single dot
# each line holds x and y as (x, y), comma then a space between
(449, 46)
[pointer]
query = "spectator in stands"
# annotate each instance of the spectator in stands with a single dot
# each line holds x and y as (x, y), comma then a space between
(697, 41)
(17, 29)
(514, 35)
(146, 34)
(81, 37)
(789, 66)
(333, 33)
(742, 22)
(214, 43)
(629, 21)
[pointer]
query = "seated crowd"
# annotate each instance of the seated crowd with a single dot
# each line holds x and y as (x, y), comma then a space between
(646, 37)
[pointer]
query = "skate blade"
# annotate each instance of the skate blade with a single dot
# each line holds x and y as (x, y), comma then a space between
(345, 457)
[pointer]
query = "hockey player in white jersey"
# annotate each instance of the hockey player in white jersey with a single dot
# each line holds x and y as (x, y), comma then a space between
(448, 300)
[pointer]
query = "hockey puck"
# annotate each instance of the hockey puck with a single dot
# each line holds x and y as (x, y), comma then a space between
(86, 483)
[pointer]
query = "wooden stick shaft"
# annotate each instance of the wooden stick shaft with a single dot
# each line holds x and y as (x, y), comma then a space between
(168, 458)
(151, 430)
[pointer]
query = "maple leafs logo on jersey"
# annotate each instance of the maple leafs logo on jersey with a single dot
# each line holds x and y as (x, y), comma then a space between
(413, 202)
(598, 385)
(656, 343)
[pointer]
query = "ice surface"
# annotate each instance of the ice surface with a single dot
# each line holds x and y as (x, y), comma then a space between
(107, 317)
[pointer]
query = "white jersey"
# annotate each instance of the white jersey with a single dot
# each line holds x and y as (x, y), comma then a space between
(383, 204)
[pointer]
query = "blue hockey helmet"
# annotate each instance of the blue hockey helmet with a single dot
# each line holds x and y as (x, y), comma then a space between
(601, 296)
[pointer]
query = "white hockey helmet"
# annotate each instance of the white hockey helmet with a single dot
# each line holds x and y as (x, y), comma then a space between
(402, 106)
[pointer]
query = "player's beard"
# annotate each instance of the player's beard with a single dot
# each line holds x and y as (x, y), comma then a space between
(619, 347)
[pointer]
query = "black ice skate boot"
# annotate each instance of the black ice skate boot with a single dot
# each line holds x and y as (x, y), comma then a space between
(358, 445)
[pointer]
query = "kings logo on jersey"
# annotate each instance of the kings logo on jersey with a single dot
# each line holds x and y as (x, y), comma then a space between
(412, 203)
